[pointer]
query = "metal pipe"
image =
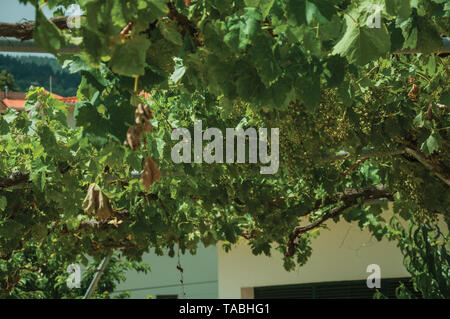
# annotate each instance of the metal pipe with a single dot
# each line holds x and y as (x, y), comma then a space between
(97, 276)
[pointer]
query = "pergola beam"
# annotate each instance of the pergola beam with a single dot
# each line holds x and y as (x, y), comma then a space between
(24, 31)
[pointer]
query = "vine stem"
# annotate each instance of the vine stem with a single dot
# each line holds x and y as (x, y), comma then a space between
(353, 19)
(180, 269)
(367, 74)
(427, 165)
(374, 153)
(136, 84)
(363, 155)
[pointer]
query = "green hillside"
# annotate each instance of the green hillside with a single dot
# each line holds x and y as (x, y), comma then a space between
(33, 70)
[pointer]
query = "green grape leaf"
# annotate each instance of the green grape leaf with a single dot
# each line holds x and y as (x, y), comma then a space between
(431, 144)
(46, 34)
(170, 31)
(398, 8)
(361, 44)
(263, 5)
(3, 203)
(4, 127)
(129, 58)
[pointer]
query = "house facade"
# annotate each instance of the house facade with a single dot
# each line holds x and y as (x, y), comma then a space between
(340, 254)
(341, 264)
(337, 268)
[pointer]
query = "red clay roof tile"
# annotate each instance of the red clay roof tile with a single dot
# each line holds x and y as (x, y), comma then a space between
(16, 100)
(16, 104)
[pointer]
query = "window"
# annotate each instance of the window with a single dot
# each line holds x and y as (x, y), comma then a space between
(333, 290)
(166, 296)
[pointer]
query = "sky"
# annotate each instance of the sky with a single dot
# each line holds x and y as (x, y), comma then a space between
(12, 11)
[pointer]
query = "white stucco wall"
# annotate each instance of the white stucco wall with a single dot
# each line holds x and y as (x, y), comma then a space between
(200, 276)
(341, 253)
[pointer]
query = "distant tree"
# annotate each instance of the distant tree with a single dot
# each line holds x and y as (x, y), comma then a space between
(36, 71)
(7, 79)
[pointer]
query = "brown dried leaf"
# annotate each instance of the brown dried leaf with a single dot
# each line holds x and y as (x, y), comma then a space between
(149, 114)
(134, 137)
(138, 120)
(156, 173)
(143, 110)
(142, 113)
(126, 30)
(138, 112)
(147, 126)
(151, 173)
(147, 177)
(96, 203)
(115, 222)
(413, 93)
(140, 109)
